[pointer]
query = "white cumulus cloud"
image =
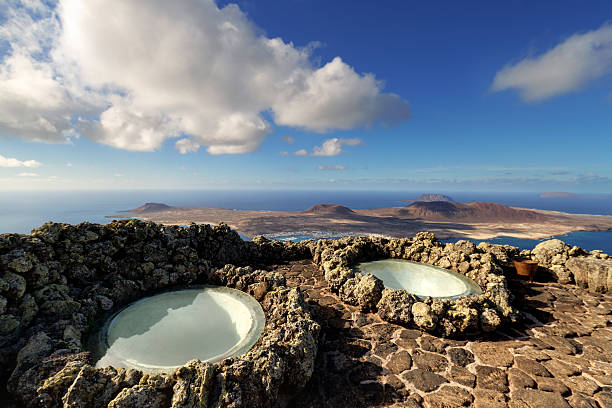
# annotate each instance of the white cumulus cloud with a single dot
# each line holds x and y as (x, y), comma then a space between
(567, 67)
(330, 147)
(141, 72)
(27, 175)
(185, 146)
(12, 162)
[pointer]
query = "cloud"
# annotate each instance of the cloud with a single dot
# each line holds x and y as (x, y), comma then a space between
(187, 146)
(27, 175)
(11, 162)
(164, 70)
(283, 153)
(330, 147)
(336, 97)
(567, 67)
(337, 167)
(288, 139)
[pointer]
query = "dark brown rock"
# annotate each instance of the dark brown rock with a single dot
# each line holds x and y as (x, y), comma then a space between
(429, 361)
(582, 401)
(552, 384)
(604, 398)
(531, 367)
(449, 396)
(484, 398)
(399, 362)
(538, 399)
(424, 380)
(491, 378)
(384, 349)
(460, 357)
(462, 376)
(493, 354)
(560, 369)
(519, 380)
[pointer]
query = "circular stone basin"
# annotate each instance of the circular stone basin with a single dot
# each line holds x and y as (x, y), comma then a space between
(420, 279)
(165, 331)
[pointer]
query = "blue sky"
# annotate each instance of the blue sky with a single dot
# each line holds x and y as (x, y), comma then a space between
(438, 96)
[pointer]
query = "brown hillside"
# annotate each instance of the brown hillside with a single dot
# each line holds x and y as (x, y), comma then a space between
(329, 209)
(480, 211)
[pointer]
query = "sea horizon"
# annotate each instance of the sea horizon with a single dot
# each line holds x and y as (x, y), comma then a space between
(23, 211)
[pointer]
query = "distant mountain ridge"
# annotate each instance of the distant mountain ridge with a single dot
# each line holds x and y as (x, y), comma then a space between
(473, 211)
(427, 198)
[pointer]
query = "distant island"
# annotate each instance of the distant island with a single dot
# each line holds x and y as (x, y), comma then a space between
(447, 219)
(564, 194)
(434, 197)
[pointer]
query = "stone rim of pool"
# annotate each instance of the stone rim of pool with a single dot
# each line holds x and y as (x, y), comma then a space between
(182, 306)
(459, 285)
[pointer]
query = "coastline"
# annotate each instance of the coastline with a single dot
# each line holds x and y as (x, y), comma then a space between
(389, 222)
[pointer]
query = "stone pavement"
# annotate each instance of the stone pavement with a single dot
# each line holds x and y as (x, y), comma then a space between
(559, 356)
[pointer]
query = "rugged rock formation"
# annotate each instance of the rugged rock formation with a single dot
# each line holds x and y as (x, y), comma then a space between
(591, 270)
(592, 273)
(445, 317)
(55, 282)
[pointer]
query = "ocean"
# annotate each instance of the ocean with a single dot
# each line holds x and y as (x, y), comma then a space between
(20, 212)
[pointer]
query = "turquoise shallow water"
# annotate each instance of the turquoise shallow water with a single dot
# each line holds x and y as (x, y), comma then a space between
(22, 211)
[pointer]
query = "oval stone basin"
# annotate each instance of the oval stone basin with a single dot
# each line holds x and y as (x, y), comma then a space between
(165, 331)
(420, 279)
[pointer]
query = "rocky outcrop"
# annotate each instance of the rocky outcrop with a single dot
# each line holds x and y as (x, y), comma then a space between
(55, 282)
(592, 273)
(566, 264)
(445, 317)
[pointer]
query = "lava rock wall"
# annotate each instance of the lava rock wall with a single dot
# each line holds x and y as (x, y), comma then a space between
(56, 281)
(471, 314)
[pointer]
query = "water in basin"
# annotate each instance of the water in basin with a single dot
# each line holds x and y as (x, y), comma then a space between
(420, 279)
(163, 332)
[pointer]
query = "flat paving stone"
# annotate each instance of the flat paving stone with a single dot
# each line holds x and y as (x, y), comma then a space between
(489, 399)
(518, 380)
(563, 359)
(461, 375)
(492, 354)
(491, 378)
(449, 396)
(538, 399)
(460, 356)
(429, 361)
(552, 384)
(581, 384)
(424, 380)
(582, 401)
(531, 367)
(560, 369)
(604, 398)
(399, 362)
